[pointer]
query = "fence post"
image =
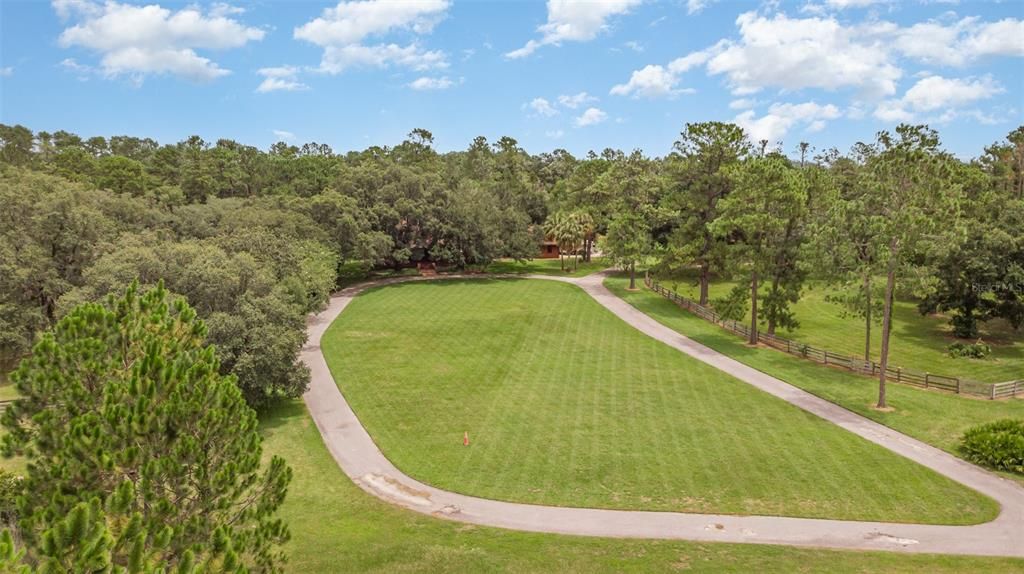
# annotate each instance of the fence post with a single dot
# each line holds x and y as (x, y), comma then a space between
(899, 374)
(958, 386)
(992, 392)
(826, 357)
(926, 379)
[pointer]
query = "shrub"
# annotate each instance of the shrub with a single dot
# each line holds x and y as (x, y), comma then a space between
(999, 445)
(10, 488)
(976, 350)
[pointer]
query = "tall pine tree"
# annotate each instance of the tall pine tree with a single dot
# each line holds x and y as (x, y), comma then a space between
(140, 454)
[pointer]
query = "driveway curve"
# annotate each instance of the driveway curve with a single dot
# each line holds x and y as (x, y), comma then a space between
(360, 459)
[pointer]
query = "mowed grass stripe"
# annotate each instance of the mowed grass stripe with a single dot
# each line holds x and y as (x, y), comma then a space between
(567, 405)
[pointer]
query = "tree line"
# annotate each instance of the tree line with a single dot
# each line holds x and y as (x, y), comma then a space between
(256, 239)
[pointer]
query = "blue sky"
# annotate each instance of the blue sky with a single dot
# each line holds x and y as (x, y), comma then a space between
(562, 74)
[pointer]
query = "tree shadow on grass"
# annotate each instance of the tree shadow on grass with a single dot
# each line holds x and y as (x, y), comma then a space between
(281, 413)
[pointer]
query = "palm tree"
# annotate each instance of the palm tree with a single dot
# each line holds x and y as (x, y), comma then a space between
(555, 230)
(588, 228)
(568, 231)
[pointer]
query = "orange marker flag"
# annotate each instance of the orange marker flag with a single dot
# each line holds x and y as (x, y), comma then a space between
(465, 438)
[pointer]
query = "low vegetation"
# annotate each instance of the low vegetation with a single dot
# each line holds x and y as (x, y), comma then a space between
(975, 350)
(998, 445)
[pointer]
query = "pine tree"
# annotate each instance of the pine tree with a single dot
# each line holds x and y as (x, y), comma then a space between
(140, 454)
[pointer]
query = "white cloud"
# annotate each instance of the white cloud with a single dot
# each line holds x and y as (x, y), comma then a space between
(575, 21)
(651, 81)
(82, 71)
(742, 104)
(554, 134)
(936, 93)
(281, 78)
(780, 118)
(337, 59)
(635, 46)
(958, 43)
(283, 135)
(428, 83)
(67, 8)
(143, 40)
(798, 53)
(7, 71)
(843, 4)
(591, 116)
(541, 107)
(341, 30)
(576, 100)
(352, 22)
(655, 81)
(892, 111)
(224, 9)
(280, 85)
(792, 54)
(695, 6)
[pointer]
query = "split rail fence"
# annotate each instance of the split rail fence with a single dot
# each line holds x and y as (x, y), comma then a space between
(906, 376)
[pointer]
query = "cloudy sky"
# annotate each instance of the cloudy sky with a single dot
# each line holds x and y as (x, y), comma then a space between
(570, 74)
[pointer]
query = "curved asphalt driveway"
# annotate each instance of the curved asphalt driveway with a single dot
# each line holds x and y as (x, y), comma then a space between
(358, 456)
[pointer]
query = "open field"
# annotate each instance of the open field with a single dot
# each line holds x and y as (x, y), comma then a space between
(566, 405)
(918, 342)
(336, 526)
(936, 417)
(547, 266)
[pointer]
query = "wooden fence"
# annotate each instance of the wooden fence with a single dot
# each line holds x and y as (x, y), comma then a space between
(905, 376)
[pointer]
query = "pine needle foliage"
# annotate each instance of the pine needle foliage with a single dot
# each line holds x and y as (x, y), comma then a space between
(141, 456)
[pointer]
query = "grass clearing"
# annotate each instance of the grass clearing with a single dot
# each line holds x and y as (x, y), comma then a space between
(567, 405)
(918, 342)
(336, 527)
(935, 417)
(547, 267)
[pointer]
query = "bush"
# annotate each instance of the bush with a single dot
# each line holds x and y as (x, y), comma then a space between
(999, 445)
(10, 488)
(976, 350)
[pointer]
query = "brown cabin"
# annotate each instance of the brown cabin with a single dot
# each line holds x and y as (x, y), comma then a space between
(549, 250)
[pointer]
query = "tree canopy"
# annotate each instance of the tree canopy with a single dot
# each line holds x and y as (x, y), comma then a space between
(141, 455)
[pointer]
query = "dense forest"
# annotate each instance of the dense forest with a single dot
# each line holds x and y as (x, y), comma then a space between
(255, 240)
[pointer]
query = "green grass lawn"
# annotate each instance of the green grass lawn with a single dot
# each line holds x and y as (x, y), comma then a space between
(918, 342)
(567, 405)
(336, 527)
(936, 417)
(548, 266)
(8, 392)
